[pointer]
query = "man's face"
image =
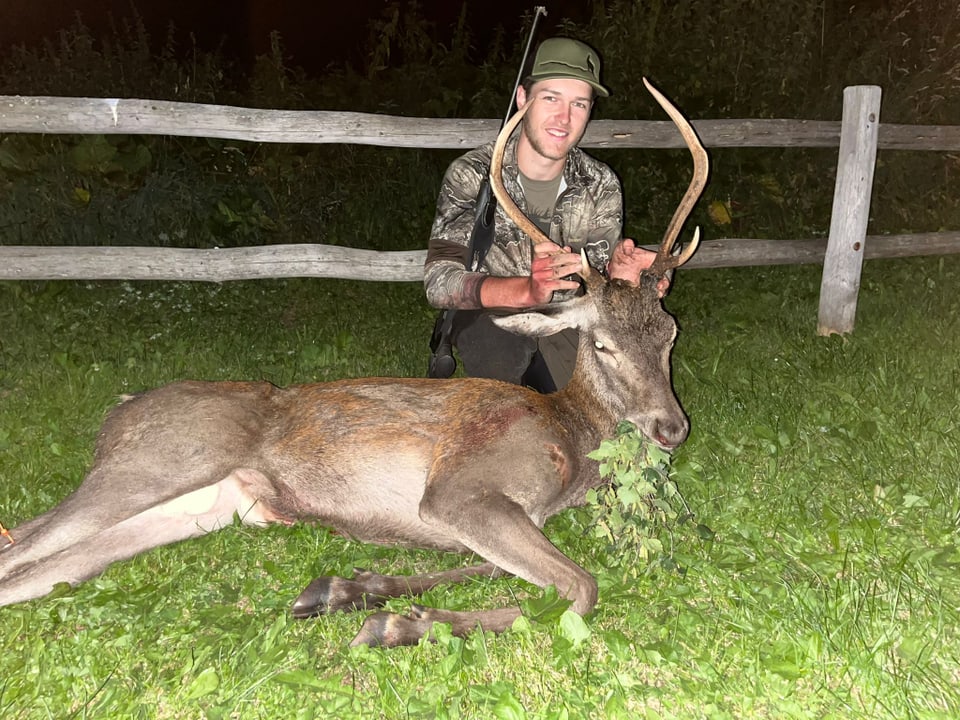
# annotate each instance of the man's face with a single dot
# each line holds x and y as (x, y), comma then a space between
(558, 117)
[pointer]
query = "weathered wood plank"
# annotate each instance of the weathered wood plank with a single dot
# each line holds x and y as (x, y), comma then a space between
(53, 115)
(851, 210)
(19, 262)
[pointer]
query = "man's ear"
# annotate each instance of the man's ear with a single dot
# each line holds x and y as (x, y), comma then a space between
(521, 96)
(551, 319)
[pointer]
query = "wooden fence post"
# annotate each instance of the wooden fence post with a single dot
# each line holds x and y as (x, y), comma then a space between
(851, 209)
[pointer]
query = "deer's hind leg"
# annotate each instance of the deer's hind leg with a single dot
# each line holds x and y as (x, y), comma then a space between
(77, 540)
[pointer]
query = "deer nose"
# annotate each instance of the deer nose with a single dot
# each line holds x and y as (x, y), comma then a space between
(670, 434)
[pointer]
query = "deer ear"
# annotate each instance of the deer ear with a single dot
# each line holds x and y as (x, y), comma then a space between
(551, 319)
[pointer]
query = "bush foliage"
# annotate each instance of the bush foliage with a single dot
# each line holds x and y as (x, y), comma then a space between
(739, 59)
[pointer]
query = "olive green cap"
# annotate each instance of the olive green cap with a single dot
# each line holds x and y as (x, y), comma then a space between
(562, 57)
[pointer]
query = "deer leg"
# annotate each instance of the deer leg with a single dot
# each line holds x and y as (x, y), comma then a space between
(80, 516)
(105, 499)
(76, 541)
(368, 590)
(391, 630)
(499, 530)
(90, 556)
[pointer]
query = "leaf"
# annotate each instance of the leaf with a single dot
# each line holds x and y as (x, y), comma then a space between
(772, 186)
(203, 684)
(229, 215)
(628, 495)
(910, 501)
(618, 644)
(270, 638)
(784, 668)
(719, 212)
(657, 456)
(60, 589)
(913, 649)
(509, 708)
(485, 694)
(574, 628)
(301, 679)
(93, 154)
(653, 545)
(704, 532)
(136, 162)
(547, 608)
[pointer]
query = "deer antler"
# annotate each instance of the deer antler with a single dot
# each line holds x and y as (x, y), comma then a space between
(664, 261)
(496, 181)
(513, 212)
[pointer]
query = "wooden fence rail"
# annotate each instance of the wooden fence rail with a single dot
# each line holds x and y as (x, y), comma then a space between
(99, 116)
(28, 262)
(858, 135)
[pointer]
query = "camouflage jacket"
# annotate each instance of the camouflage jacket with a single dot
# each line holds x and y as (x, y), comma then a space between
(588, 215)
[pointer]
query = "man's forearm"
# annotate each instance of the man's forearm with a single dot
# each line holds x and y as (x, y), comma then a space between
(449, 286)
(506, 292)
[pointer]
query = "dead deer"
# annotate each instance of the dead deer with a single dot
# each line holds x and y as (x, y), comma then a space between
(468, 465)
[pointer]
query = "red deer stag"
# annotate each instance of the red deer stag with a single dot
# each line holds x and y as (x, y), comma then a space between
(468, 465)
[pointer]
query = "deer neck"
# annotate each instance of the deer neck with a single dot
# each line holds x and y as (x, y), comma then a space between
(583, 411)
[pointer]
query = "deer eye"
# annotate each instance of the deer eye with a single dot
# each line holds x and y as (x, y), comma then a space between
(599, 345)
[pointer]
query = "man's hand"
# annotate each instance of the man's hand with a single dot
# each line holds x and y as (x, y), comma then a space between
(629, 259)
(551, 263)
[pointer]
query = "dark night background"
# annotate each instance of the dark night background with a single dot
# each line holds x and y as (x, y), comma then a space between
(314, 33)
(454, 59)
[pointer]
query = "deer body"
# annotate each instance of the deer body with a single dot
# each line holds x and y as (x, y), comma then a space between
(465, 465)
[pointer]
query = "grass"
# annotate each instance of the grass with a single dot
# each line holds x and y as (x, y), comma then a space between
(826, 469)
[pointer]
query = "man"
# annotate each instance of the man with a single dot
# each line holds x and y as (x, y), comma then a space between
(575, 199)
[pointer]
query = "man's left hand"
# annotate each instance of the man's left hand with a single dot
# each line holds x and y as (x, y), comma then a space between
(629, 259)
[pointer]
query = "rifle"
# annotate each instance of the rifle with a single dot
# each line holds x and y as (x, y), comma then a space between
(442, 362)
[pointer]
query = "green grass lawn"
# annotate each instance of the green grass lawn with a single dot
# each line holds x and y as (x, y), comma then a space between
(826, 469)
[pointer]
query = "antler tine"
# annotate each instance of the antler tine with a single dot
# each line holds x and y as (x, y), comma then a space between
(664, 261)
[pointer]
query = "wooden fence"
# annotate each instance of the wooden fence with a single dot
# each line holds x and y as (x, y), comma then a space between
(858, 135)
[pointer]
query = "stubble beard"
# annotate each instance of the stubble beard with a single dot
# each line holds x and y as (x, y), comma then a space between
(538, 146)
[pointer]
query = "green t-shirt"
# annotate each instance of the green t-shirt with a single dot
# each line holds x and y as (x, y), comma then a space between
(541, 196)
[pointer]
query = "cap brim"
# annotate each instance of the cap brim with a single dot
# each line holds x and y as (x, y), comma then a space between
(598, 88)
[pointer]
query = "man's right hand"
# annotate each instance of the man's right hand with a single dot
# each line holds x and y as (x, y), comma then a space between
(551, 263)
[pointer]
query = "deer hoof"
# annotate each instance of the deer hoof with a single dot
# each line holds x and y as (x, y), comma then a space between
(327, 595)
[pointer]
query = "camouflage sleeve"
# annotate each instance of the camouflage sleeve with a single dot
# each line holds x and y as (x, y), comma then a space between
(606, 226)
(446, 279)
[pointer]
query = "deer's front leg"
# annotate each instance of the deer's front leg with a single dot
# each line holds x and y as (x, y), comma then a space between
(499, 529)
(494, 500)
